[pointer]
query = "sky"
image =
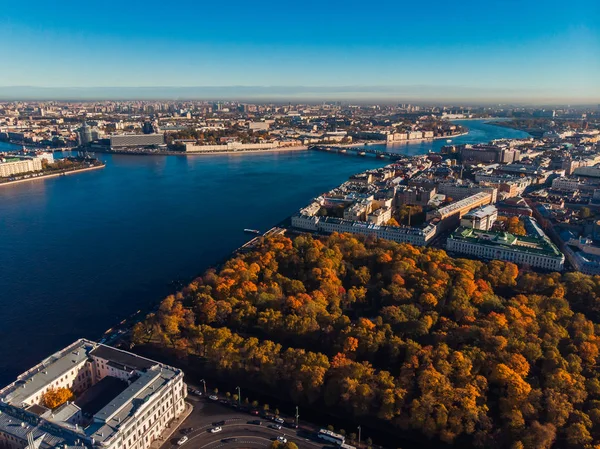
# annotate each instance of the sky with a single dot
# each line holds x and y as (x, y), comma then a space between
(495, 49)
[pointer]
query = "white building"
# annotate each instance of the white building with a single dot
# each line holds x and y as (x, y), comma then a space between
(584, 255)
(328, 225)
(532, 251)
(139, 399)
(15, 166)
(380, 216)
(461, 207)
(482, 218)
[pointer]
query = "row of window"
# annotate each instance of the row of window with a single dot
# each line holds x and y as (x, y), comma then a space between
(161, 412)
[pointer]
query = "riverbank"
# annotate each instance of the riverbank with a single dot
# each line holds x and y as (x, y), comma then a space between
(52, 175)
(365, 143)
(266, 150)
(142, 152)
(130, 235)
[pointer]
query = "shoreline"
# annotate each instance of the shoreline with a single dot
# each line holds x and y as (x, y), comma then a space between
(52, 175)
(266, 150)
(385, 143)
(199, 153)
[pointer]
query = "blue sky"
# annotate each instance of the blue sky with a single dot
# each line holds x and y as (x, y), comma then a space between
(484, 49)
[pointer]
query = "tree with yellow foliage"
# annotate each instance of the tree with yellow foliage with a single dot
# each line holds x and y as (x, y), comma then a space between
(451, 349)
(56, 397)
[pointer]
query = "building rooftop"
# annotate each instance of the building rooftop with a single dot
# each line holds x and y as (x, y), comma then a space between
(146, 379)
(46, 372)
(108, 420)
(465, 202)
(481, 212)
(122, 358)
(533, 245)
(63, 413)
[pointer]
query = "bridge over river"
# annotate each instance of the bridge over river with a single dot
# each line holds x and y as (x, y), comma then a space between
(358, 151)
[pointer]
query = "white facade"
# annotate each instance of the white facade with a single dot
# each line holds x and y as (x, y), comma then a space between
(21, 166)
(566, 184)
(152, 396)
(415, 236)
(482, 248)
(380, 216)
(482, 218)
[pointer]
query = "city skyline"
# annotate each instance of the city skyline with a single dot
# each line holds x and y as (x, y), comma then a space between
(474, 52)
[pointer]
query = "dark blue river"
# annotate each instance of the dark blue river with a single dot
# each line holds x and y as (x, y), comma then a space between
(79, 253)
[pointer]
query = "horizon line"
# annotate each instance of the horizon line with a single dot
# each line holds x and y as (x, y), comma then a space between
(362, 93)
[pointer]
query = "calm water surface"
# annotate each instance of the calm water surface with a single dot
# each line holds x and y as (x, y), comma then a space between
(79, 253)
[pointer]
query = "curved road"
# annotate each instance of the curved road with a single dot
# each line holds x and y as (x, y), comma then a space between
(236, 425)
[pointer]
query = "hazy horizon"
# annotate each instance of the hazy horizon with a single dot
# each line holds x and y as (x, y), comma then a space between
(385, 94)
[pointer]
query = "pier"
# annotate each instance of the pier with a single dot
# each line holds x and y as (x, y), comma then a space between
(358, 151)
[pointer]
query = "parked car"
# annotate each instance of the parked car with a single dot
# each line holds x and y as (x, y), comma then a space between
(182, 440)
(216, 429)
(279, 420)
(275, 426)
(213, 397)
(282, 439)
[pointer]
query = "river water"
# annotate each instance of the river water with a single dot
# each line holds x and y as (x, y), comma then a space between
(79, 253)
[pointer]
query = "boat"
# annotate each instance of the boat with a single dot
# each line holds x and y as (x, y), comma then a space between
(252, 231)
(448, 140)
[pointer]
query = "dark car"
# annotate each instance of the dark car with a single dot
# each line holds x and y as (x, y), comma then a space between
(291, 425)
(218, 423)
(229, 440)
(254, 412)
(258, 422)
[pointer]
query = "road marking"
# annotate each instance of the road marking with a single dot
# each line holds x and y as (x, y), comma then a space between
(245, 436)
(258, 428)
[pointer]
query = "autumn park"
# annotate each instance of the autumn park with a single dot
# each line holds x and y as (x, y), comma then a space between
(451, 352)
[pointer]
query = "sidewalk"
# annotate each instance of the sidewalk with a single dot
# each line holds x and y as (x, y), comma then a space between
(173, 426)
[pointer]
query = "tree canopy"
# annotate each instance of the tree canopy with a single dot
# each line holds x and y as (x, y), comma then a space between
(449, 348)
(56, 397)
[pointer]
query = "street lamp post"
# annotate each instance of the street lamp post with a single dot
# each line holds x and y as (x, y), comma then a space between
(203, 383)
(239, 396)
(297, 416)
(359, 429)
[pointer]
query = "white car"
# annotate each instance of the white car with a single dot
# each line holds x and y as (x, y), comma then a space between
(182, 440)
(282, 439)
(216, 429)
(213, 397)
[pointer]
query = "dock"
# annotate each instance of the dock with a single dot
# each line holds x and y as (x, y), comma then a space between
(249, 245)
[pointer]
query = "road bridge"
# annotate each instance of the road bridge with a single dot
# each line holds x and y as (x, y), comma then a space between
(358, 151)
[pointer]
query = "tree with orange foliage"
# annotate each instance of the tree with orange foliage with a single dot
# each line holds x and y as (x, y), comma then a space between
(56, 397)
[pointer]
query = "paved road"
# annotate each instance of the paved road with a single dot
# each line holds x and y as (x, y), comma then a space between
(207, 414)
